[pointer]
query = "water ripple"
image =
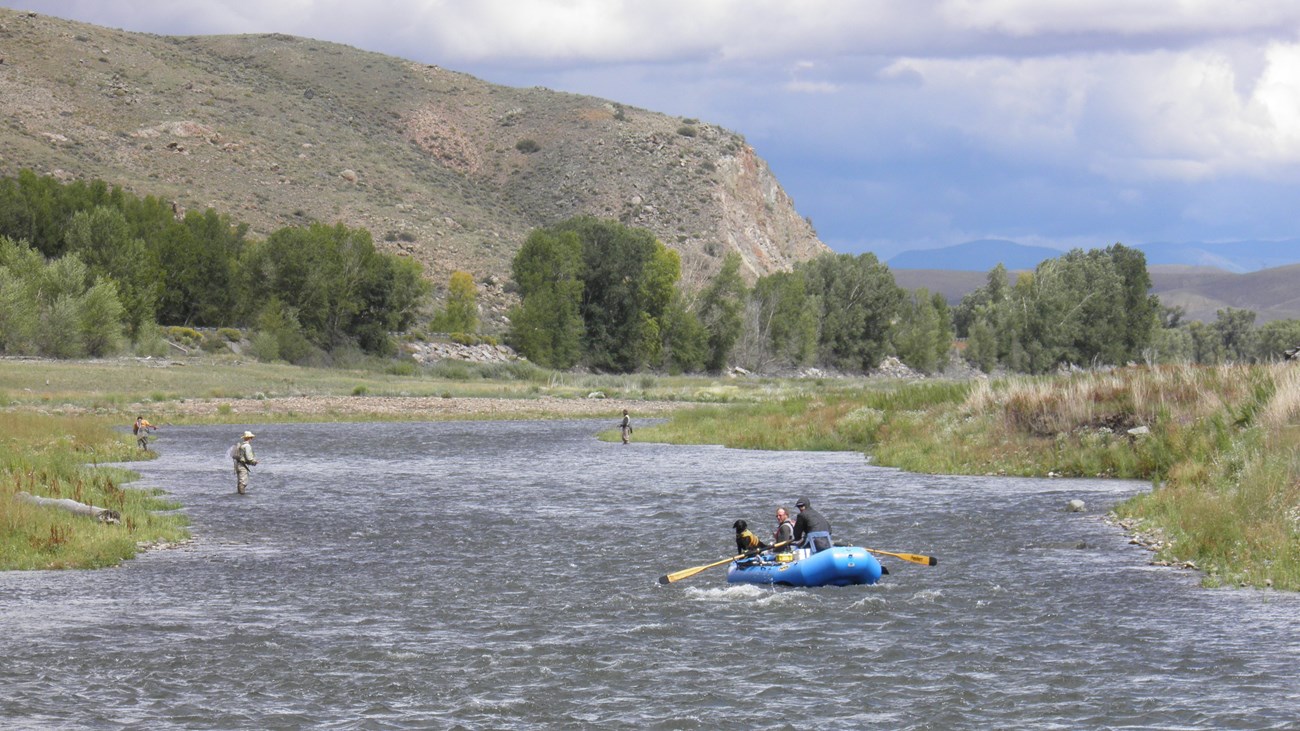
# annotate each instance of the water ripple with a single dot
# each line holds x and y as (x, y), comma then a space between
(502, 576)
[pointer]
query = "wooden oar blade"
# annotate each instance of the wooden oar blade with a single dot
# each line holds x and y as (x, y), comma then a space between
(913, 557)
(679, 575)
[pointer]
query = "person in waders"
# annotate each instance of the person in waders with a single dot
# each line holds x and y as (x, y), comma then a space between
(141, 430)
(242, 453)
(626, 427)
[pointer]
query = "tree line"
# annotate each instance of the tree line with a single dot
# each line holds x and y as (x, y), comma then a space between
(86, 268)
(600, 295)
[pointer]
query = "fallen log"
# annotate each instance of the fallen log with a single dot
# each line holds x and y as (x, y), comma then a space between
(103, 515)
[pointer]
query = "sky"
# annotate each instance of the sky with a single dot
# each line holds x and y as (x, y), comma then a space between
(893, 124)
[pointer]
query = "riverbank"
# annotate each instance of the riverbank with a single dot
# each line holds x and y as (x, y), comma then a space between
(1218, 444)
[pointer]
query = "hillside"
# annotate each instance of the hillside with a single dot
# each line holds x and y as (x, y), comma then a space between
(975, 256)
(1272, 294)
(278, 130)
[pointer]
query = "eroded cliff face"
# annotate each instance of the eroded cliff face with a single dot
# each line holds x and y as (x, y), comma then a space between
(439, 166)
(758, 218)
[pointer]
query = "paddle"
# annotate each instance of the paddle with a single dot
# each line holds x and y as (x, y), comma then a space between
(687, 573)
(913, 557)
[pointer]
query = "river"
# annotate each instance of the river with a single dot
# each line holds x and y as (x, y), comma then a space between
(502, 575)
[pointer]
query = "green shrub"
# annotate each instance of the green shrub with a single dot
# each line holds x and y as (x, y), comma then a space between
(186, 337)
(527, 146)
(264, 347)
(687, 130)
(452, 370)
(213, 343)
(231, 334)
(149, 343)
(401, 368)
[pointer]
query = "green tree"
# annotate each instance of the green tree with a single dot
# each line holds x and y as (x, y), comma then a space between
(547, 325)
(1140, 308)
(719, 311)
(1207, 343)
(1235, 328)
(339, 288)
(99, 318)
(614, 296)
(461, 313)
(104, 241)
(55, 308)
(780, 323)
(859, 301)
(685, 341)
(200, 284)
(922, 336)
(981, 346)
(1274, 338)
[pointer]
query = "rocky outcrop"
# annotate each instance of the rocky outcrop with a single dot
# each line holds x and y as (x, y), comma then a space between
(426, 353)
(439, 166)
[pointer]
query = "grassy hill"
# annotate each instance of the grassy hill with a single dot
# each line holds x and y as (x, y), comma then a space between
(440, 166)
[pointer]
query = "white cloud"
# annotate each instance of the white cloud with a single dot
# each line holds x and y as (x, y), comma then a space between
(1113, 97)
(1172, 115)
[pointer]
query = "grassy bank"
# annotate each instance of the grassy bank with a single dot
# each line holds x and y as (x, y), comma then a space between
(171, 390)
(1220, 446)
(55, 457)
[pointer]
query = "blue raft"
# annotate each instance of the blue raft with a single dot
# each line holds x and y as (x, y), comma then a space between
(838, 566)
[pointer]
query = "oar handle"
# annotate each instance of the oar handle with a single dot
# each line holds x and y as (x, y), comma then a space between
(687, 573)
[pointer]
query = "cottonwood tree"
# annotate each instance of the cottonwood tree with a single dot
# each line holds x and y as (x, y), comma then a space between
(103, 240)
(624, 283)
(55, 308)
(922, 336)
(719, 312)
(859, 301)
(547, 326)
(340, 289)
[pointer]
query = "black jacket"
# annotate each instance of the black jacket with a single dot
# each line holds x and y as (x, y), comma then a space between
(809, 521)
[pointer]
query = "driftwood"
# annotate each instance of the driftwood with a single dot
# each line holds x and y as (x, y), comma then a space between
(103, 515)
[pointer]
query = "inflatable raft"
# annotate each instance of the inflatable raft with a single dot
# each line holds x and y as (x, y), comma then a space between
(838, 566)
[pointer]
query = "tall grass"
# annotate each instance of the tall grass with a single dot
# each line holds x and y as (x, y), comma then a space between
(55, 456)
(1220, 445)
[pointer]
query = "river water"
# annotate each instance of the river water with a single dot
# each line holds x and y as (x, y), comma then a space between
(474, 575)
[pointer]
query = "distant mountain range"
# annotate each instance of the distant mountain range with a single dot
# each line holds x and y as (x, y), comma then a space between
(982, 255)
(1272, 294)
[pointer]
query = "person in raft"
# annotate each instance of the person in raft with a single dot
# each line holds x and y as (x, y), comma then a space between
(625, 427)
(811, 529)
(746, 541)
(141, 430)
(784, 529)
(242, 453)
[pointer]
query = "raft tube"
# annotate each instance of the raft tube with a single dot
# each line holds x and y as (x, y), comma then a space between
(838, 566)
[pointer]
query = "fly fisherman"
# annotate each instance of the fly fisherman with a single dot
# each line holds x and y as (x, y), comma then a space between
(242, 453)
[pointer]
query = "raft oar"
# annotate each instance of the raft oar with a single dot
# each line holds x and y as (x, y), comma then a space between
(913, 557)
(687, 573)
